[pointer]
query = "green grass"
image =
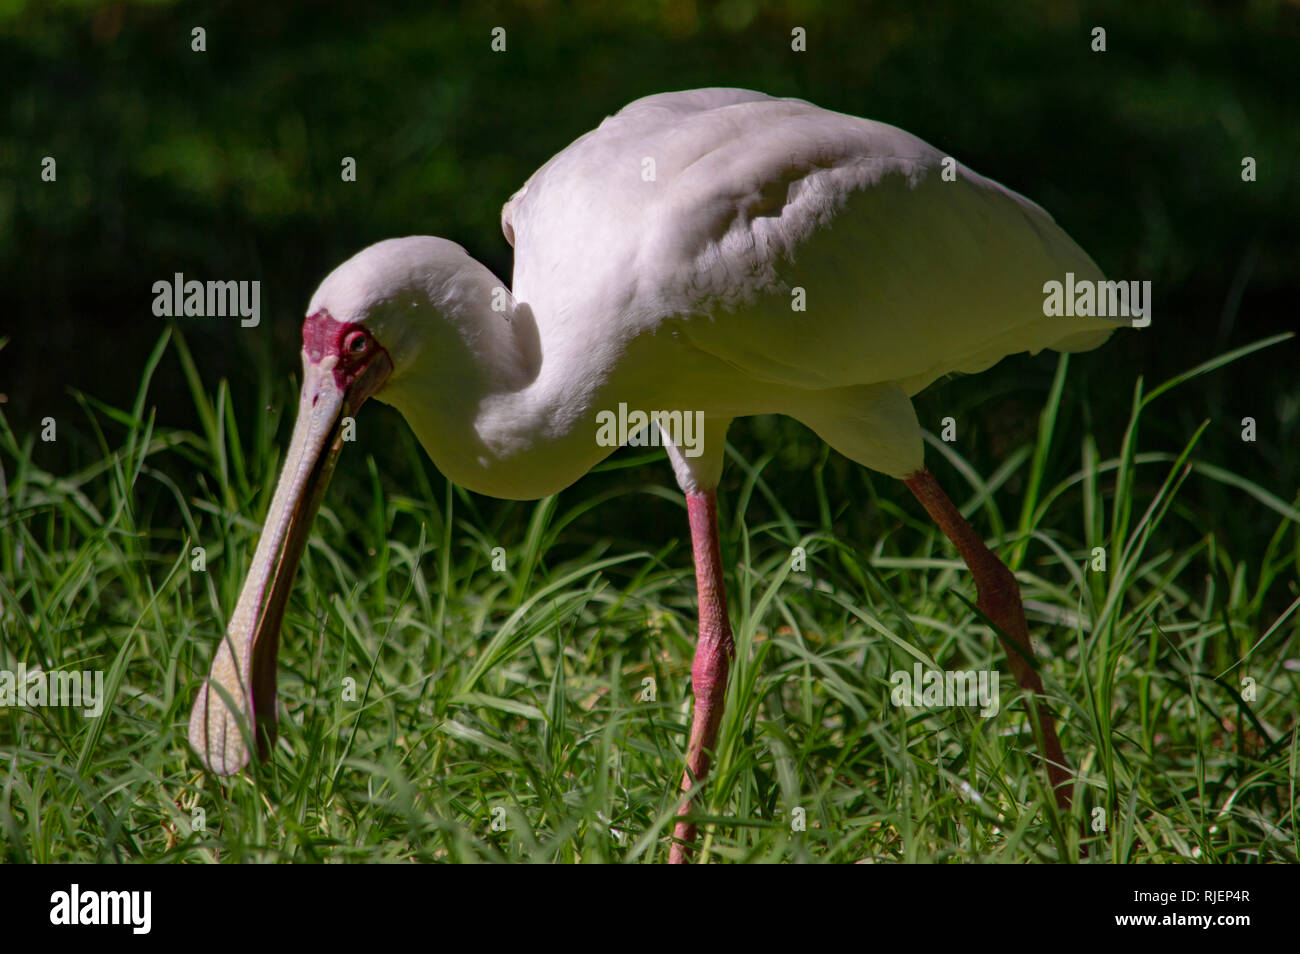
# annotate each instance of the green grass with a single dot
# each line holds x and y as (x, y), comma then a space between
(519, 695)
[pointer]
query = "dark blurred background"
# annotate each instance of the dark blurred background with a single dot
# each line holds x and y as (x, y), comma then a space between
(226, 165)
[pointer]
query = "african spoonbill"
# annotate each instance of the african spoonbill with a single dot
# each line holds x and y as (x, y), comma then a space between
(656, 262)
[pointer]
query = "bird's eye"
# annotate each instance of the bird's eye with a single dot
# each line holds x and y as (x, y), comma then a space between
(356, 342)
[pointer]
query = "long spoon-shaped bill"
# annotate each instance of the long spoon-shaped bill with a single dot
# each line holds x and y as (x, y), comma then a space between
(237, 702)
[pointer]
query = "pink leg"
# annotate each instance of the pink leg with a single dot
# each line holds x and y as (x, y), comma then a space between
(999, 600)
(712, 658)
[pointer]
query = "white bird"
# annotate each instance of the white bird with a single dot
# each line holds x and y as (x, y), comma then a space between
(716, 251)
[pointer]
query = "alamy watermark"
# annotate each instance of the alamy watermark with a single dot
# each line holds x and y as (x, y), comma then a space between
(683, 429)
(934, 688)
(1089, 299)
(77, 906)
(26, 688)
(194, 299)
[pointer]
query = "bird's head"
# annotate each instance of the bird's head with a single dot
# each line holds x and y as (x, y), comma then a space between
(397, 317)
(420, 300)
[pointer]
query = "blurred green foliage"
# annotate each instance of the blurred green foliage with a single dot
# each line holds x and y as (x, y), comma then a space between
(225, 164)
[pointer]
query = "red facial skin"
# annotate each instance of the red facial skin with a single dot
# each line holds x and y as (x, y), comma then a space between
(356, 350)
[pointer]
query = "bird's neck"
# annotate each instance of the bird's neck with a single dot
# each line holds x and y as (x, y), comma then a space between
(501, 411)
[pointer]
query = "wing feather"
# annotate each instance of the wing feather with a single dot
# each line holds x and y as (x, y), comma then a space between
(718, 214)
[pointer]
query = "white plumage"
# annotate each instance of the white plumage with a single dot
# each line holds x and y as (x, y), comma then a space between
(656, 262)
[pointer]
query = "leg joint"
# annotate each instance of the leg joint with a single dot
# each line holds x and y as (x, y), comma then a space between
(709, 671)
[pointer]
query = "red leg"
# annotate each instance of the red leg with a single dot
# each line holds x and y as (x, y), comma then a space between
(999, 600)
(712, 658)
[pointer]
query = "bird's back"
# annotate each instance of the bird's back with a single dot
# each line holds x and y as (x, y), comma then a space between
(799, 246)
